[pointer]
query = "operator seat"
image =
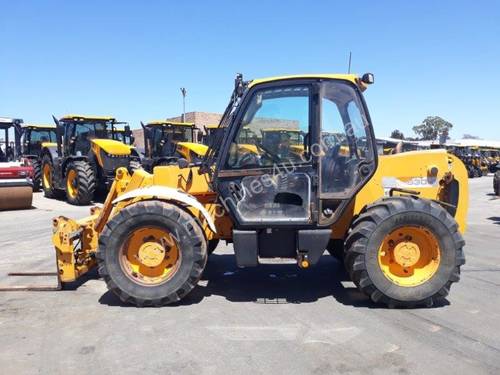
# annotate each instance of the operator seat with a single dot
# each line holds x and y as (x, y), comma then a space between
(328, 167)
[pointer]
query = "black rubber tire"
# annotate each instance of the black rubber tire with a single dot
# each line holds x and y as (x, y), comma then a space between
(212, 245)
(85, 180)
(134, 165)
(49, 191)
(470, 171)
(191, 241)
(336, 249)
(37, 174)
(496, 183)
(381, 218)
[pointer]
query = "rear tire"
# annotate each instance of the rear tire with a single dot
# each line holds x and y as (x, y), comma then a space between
(366, 238)
(37, 174)
(142, 216)
(84, 184)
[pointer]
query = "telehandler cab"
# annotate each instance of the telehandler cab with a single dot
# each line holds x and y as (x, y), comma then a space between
(84, 158)
(397, 219)
(165, 142)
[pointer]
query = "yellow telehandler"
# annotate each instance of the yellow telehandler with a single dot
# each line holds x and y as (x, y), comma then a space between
(397, 219)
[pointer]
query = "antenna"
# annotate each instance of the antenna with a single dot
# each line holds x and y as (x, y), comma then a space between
(349, 69)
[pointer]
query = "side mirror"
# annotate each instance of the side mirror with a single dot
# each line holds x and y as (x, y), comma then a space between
(127, 130)
(182, 163)
(132, 139)
(368, 78)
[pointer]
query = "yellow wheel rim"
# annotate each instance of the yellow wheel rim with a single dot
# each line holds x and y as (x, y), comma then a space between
(72, 183)
(409, 256)
(150, 256)
(47, 176)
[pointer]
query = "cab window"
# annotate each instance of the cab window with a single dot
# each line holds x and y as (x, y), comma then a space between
(344, 137)
(273, 129)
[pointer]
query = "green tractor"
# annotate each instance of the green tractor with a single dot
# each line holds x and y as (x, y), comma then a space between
(85, 158)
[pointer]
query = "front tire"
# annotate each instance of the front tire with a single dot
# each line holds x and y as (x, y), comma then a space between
(37, 174)
(49, 190)
(152, 253)
(404, 252)
(80, 183)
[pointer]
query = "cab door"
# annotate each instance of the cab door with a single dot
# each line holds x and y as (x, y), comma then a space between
(271, 180)
(347, 152)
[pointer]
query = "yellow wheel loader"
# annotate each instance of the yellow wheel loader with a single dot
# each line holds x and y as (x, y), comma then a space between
(398, 219)
(166, 142)
(84, 158)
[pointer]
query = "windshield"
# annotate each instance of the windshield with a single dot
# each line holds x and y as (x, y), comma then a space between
(43, 135)
(91, 130)
(179, 133)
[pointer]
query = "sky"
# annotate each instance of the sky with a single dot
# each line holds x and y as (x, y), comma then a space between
(130, 58)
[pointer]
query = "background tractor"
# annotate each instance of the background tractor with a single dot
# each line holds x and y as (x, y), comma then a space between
(10, 147)
(33, 140)
(397, 219)
(84, 158)
(166, 141)
(211, 131)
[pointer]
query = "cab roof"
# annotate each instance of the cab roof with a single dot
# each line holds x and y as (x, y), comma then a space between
(347, 77)
(39, 126)
(212, 126)
(8, 120)
(167, 122)
(76, 117)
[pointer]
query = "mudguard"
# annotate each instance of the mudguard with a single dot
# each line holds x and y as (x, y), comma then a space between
(167, 193)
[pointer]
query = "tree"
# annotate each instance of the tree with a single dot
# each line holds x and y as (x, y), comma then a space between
(397, 134)
(433, 127)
